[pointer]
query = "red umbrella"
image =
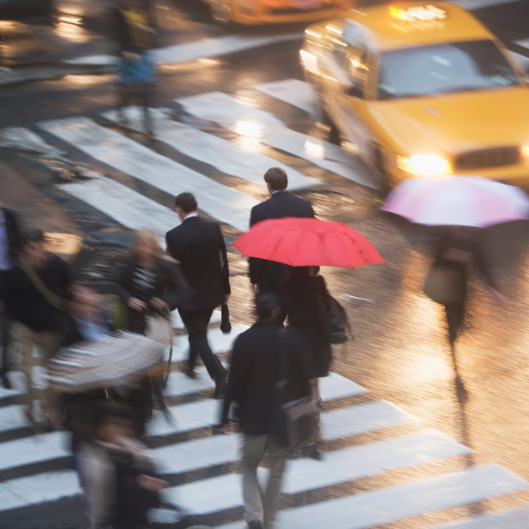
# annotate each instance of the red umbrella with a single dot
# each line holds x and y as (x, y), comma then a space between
(307, 242)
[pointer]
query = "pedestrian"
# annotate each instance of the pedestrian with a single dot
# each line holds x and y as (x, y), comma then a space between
(37, 296)
(136, 33)
(302, 297)
(459, 247)
(270, 275)
(9, 251)
(199, 247)
(119, 477)
(252, 387)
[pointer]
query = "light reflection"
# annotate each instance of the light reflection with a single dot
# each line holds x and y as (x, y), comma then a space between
(70, 27)
(314, 148)
(84, 80)
(249, 129)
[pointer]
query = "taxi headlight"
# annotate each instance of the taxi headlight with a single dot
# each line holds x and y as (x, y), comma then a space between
(309, 61)
(423, 164)
(524, 150)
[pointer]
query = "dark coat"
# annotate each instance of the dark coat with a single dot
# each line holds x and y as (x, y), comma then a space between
(170, 285)
(299, 298)
(254, 372)
(269, 274)
(29, 306)
(13, 234)
(199, 247)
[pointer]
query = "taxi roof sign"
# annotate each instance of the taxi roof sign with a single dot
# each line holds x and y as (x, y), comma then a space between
(416, 13)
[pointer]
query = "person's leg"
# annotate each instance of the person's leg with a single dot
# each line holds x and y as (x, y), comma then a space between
(147, 98)
(196, 323)
(253, 450)
(52, 402)
(277, 456)
(4, 329)
(25, 341)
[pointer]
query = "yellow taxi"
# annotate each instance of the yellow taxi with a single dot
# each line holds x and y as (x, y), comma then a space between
(253, 12)
(420, 90)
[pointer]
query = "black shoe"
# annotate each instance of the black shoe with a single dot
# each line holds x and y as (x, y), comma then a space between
(220, 387)
(189, 371)
(254, 524)
(6, 382)
(311, 451)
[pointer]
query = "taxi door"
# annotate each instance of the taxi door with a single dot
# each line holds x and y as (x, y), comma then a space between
(346, 90)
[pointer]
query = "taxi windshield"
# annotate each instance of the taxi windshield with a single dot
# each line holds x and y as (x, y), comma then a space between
(444, 68)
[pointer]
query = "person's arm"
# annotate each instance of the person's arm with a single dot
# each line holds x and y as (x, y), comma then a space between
(225, 272)
(235, 381)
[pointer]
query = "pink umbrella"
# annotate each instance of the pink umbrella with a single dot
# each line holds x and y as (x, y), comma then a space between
(458, 201)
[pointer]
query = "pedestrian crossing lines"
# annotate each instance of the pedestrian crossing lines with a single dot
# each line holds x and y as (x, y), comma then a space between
(34, 472)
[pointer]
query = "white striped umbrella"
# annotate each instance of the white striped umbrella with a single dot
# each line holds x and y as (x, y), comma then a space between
(458, 201)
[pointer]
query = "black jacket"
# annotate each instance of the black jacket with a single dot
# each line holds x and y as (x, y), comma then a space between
(299, 299)
(199, 247)
(13, 234)
(170, 286)
(269, 274)
(29, 306)
(254, 371)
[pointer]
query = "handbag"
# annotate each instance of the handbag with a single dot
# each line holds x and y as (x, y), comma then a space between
(445, 284)
(225, 325)
(298, 420)
(333, 320)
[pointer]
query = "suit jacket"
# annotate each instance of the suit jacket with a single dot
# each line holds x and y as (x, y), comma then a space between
(269, 274)
(199, 247)
(13, 234)
(254, 372)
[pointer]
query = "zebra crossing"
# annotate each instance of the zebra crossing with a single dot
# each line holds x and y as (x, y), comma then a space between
(34, 470)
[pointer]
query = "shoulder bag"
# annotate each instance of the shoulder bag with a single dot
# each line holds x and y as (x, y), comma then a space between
(333, 320)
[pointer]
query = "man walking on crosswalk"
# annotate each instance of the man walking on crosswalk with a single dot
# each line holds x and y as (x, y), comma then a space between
(199, 247)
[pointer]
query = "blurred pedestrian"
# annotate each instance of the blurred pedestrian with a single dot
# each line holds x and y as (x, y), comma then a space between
(136, 34)
(199, 247)
(302, 297)
(460, 246)
(270, 275)
(252, 386)
(37, 296)
(150, 287)
(9, 250)
(119, 477)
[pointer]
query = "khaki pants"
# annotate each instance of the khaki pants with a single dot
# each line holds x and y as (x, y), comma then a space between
(47, 344)
(262, 504)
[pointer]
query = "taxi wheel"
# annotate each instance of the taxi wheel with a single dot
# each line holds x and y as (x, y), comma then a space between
(380, 170)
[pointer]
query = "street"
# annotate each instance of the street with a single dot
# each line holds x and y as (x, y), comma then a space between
(402, 447)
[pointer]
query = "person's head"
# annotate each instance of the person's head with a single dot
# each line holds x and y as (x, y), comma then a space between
(266, 305)
(298, 271)
(145, 246)
(185, 204)
(112, 422)
(33, 245)
(276, 179)
(84, 302)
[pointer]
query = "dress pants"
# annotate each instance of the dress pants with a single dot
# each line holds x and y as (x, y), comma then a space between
(262, 504)
(4, 321)
(48, 344)
(196, 323)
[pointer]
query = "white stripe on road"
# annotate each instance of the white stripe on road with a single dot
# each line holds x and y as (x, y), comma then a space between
(12, 418)
(35, 449)
(388, 505)
(32, 490)
(222, 154)
(127, 207)
(293, 91)
(242, 116)
(119, 152)
(199, 49)
(512, 519)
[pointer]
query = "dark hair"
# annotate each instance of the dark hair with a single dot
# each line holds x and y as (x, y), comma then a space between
(33, 235)
(186, 202)
(265, 304)
(276, 178)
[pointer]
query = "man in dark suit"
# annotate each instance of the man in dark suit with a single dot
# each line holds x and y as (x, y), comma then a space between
(199, 247)
(252, 384)
(9, 250)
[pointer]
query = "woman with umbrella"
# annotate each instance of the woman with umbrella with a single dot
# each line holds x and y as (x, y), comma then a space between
(463, 205)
